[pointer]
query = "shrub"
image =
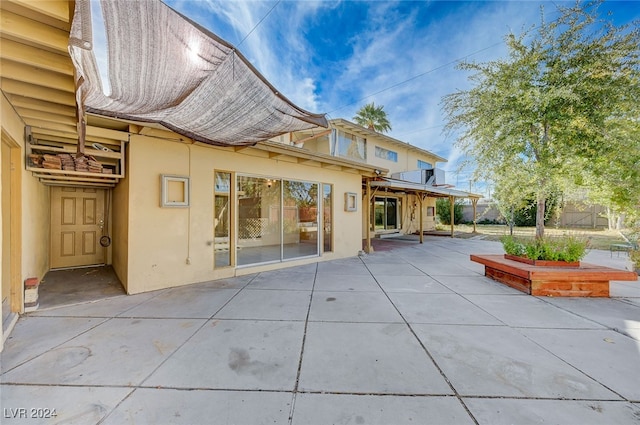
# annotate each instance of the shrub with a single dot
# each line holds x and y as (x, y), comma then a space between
(568, 248)
(634, 255)
(512, 246)
(443, 210)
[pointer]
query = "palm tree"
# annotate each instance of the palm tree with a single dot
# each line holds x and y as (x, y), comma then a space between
(373, 117)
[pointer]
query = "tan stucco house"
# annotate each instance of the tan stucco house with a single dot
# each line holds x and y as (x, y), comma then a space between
(401, 197)
(207, 184)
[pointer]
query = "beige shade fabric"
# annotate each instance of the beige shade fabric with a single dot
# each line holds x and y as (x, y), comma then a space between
(143, 61)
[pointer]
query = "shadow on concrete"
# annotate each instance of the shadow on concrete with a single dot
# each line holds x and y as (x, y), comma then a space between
(66, 287)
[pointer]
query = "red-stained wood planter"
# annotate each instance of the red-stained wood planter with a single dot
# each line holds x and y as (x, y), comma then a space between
(581, 280)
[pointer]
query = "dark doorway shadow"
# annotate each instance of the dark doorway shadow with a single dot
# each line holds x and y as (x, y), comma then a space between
(72, 286)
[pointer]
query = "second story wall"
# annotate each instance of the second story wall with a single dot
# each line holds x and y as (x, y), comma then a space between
(351, 141)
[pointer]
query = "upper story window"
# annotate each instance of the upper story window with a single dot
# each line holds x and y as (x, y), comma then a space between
(348, 146)
(424, 164)
(386, 154)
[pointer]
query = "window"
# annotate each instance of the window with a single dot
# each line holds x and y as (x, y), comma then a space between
(424, 165)
(175, 191)
(348, 146)
(386, 154)
(350, 201)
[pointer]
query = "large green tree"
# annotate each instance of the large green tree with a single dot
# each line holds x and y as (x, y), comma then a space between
(373, 117)
(551, 109)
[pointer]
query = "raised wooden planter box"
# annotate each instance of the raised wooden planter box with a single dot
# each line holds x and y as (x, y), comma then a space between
(583, 280)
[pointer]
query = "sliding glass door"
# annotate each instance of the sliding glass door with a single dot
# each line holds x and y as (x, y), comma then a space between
(259, 220)
(300, 219)
(277, 219)
(386, 213)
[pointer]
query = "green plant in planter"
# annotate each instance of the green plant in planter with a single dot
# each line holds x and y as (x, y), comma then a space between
(568, 248)
(512, 246)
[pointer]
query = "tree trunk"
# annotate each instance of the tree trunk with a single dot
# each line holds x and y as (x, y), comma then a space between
(610, 218)
(511, 222)
(540, 218)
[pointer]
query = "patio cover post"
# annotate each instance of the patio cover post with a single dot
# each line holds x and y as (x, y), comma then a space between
(474, 202)
(419, 195)
(452, 200)
(367, 209)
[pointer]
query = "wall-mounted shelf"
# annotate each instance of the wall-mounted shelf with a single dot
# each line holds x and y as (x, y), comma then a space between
(105, 170)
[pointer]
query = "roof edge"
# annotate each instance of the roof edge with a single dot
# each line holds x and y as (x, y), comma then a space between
(342, 121)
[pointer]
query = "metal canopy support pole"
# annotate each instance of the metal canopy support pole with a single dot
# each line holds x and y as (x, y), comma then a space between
(474, 202)
(367, 209)
(452, 210)
(81, 124)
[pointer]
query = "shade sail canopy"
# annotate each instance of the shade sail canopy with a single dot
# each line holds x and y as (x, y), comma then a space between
(143, 61)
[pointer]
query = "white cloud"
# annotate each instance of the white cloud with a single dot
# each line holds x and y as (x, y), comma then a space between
(269, 39)
(393, 43)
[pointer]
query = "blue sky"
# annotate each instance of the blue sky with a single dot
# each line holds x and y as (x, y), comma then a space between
(335, 56)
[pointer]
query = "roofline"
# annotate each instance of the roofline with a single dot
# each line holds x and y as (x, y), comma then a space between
(344, 123)
(304, 154)
(438, 191)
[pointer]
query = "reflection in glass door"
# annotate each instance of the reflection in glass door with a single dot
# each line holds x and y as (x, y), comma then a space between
(391, 213)
(259, 220)
(386, 213)
(221, 220)
(300, 219)
(379, 213)
(327, 216)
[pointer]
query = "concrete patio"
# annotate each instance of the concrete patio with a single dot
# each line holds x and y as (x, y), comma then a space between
(411, 334)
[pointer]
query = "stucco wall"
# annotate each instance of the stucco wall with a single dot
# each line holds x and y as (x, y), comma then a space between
(5, 240)
(407, 157)
(173, 246)
(120, 226)
(34, 198)
(36, 233)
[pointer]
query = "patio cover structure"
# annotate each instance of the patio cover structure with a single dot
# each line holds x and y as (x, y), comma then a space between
(142, 61)
(421, 191)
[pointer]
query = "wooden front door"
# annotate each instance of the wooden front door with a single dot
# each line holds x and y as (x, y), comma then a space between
(77, 218)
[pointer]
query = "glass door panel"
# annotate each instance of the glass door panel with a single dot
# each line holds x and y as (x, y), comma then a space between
(386, 213)
(379, 212)
(327, 217)
(221, 220)
(259, 220)
(300, 231)
(391, 210)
